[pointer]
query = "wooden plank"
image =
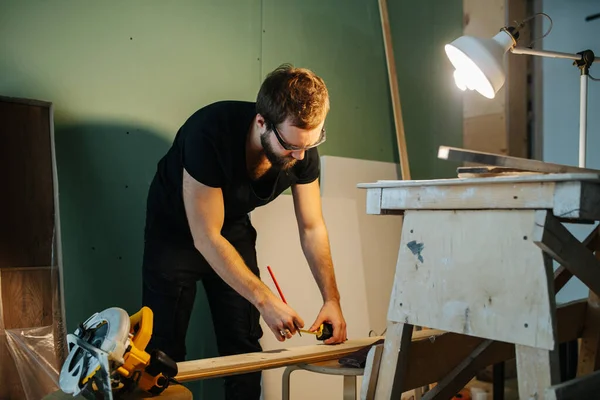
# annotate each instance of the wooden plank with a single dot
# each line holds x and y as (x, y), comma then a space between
(486, 172)
(479, 157)
(394, 361)
(434, 262)
(445, 348)
(556, 240)
(586, 387)
(394, 90)
(562, 275)
(545, 178)
(459, 376)
(251, 362)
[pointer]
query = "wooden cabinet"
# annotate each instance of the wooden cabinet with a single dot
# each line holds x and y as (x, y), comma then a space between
(30, 251)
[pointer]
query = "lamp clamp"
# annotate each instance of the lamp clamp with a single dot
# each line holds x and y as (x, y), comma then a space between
(512, 32)
(585, 62)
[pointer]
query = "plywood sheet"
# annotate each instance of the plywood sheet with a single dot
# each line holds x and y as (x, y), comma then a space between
(486, 133)
(278, 245)
(340, 175)
(26, 296)
(379, 236)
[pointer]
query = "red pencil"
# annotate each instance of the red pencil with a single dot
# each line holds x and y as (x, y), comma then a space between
(280, 293)
(276, 284)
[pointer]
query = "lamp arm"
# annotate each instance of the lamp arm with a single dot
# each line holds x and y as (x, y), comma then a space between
(545, 53)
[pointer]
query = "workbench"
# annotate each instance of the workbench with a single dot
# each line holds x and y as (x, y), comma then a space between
(475, 259)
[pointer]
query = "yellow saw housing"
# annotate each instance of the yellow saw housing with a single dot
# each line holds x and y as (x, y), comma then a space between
(136, 359)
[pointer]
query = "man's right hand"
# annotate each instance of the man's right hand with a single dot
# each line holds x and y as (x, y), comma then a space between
(280, 318)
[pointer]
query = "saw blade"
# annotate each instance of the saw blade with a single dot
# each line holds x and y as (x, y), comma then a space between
(107, 331)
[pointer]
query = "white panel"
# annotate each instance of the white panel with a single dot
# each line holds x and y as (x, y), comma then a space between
(340, 175)
(278, 245)
(484, 19)
(379, 235)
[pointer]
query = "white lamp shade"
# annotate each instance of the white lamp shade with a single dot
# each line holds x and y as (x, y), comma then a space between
(479, 62)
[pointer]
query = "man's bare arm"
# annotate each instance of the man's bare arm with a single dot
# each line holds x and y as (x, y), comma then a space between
(314, 238)
(315, 244)
(205, 213)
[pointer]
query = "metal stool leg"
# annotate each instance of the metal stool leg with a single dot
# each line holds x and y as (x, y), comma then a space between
(285, 382)
(349, 387)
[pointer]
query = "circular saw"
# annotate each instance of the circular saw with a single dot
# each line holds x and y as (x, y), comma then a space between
(107, 353)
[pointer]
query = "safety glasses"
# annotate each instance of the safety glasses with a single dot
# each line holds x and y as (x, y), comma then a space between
(292, 147)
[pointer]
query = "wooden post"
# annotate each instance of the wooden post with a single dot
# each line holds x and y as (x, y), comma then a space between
(589, 352)
(395, 93)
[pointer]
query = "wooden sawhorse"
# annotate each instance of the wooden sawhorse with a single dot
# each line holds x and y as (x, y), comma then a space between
(475, 259)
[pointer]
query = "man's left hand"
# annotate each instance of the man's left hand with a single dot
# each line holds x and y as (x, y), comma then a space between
(332, 312)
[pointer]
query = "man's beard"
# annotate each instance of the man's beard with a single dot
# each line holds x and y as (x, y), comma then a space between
(278, 162)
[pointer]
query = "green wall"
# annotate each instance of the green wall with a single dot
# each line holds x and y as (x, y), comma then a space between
(123, 76)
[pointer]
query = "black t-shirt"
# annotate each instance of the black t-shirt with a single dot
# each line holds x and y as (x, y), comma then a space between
(211, 146)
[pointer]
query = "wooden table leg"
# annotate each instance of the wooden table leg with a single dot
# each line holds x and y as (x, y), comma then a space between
(537, 370)
(589, 355)
(394, 361)
(498, 379)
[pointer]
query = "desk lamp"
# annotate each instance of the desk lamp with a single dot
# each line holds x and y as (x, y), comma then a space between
(479, 66)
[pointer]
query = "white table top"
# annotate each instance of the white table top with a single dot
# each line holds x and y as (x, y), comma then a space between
(530, 178)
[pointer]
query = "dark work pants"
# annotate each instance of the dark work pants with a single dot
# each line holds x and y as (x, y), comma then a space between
(170, 273)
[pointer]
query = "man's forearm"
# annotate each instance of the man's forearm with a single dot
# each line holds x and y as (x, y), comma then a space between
(315, 244)
(230, 266)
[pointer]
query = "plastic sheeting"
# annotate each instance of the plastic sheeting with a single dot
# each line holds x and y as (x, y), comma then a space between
(33, 351)
(32, 334)
(30, 356)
